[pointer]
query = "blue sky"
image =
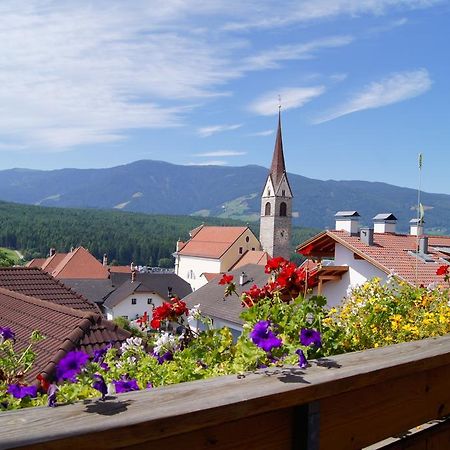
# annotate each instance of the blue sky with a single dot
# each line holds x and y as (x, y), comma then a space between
(364, 85)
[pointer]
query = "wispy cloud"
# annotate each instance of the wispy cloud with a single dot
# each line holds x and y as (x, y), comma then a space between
(262, 133)
(395, 88)
(208, 163)
(291, 97)
(271, 59)
(209, 131)
(219, 153)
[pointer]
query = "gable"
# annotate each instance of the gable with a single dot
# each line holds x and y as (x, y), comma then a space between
(284, 186)
(268, 190)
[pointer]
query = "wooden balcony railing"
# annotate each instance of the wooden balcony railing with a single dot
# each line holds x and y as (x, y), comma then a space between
(345, 402)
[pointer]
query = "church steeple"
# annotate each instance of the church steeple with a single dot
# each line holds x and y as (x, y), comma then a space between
(278, 168)
(276, 205)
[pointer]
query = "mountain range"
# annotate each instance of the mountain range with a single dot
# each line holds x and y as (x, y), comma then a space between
(232, 192)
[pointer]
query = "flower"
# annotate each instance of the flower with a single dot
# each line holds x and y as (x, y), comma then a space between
(100, 385)
(302, 361)
(99, 354)
(149, 385)
(309, 336)
(226, 279)
(263, 337)
(6, 333)
(43, 382)
(443, 270)
(132, 343)
(21, 391)
(168, 311)
(125, 385)
(51, 393)
(70, 366)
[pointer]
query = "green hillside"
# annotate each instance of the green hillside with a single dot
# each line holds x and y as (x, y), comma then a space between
(123, 236)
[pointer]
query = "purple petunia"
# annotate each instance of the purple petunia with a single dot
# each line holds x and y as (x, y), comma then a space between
(125, 385)
(309, 336)
(70, 366)
(6, 333)
(167, 356)
(100, 385)
(149, 385)
(264, 337)
(302, 361)
(20, 391)
(99, 355)
(51, 395)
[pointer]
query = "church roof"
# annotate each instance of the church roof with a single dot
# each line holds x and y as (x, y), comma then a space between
(278, 168)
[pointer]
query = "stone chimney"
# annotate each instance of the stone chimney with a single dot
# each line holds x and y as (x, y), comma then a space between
(384, 223)
(347, 221)
(133, 276)
(416, 227)
(423, 245)
(105, 259)
(366, 235)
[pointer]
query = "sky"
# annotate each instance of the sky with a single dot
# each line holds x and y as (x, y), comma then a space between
(364, 85)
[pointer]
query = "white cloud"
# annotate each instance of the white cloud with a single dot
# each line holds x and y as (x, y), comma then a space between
(209, 131)
(270, 59)
(291, 97)
(220, 153)
(395, 88)
(262, 133)
(208, 163)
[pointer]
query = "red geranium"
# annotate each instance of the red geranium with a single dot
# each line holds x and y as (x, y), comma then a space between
(226, 279)
(443, 270)
(169, 311)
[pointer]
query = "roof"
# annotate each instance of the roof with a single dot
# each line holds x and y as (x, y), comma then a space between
(259, 257)
(36, 262)
(210, 296)
(391, 253)
(65, 329)
(147, 282)
(210, 276)
(39, 284)
(347, 214)
(121, 269)
(94, 290)
(52, 262)
(80, 264)
(278, 167)
(212, 241)
(385, 216)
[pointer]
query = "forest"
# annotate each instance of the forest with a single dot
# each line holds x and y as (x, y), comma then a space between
(125, 237)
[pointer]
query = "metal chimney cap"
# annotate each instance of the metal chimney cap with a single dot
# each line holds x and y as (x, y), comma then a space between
(385, 216)
(347, 214)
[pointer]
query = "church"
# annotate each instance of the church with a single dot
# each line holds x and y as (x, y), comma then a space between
(212, 250)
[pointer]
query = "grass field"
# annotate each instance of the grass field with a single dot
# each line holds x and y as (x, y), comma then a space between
(13, 254)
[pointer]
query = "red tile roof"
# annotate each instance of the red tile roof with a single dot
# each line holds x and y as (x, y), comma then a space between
(212, 242)
(391, 253)
(259, 257)
(39, 284)
(36, 262)
(52, 262)
(65, 329)
(80, 264)
(210, 276)
(119, 269)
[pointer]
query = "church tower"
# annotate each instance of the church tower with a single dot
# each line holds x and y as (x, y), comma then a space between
(276, 205)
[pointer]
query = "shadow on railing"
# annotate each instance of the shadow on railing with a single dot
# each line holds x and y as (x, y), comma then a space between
(344, 402)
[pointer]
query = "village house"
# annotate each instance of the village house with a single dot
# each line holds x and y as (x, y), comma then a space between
(351, 255)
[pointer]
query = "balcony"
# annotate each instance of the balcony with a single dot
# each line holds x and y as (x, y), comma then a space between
(349, 401)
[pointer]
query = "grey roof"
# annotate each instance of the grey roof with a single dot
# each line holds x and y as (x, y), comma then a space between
(94, 290)
(211, 295)
(347, 214)
(385, 216)
(417, 221)
(160, 283)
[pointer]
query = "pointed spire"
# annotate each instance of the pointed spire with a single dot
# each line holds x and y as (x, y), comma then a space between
(277, 169)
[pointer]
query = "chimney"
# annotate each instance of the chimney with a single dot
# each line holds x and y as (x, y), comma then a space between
(132, 266)
(347, 221)
(423, 245)
(243, 279)
(366, 235)
(169, 291)
(105, 260)
(180, 245)
(72, 249)
(384, 223)
(52, 252)
(416, 227)
(133, 276)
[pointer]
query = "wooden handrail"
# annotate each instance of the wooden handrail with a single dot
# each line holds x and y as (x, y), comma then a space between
(342, 402)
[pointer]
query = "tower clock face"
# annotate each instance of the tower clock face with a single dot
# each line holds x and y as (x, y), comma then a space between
(283, 235)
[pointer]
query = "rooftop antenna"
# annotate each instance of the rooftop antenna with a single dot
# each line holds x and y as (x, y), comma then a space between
(420, 213)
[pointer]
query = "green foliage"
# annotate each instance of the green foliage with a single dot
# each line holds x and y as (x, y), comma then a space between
(5, 258)
(166, 263)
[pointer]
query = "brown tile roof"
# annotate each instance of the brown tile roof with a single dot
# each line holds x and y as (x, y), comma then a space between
(391, 253)
(65, 329)
(210, 296)
(119, 269)
(253, 257)
(36, 262)
(212, 242)
(39, 284)
(80, 264)
(210, 276)
(52, 262)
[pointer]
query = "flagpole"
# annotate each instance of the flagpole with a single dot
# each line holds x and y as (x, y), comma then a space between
(419, 215)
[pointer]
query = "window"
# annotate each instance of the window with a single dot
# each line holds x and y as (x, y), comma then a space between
(253, 248)
(149, 301)
(267, 209)
(190, 275)
(283, 209)
(133, 301)
(241, 250)
(283, 193)
(247, 239)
